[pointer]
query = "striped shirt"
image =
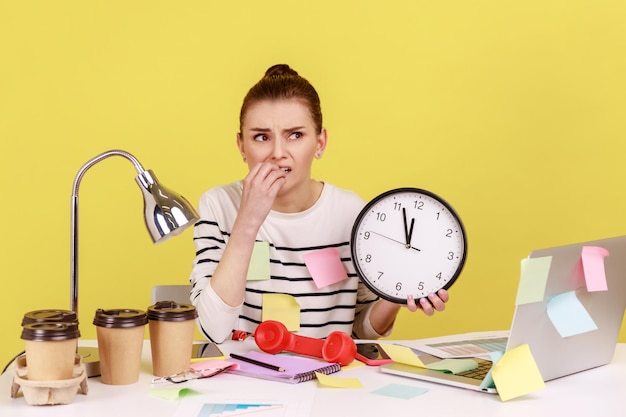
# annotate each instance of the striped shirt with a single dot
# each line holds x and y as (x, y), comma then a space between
(343, 306)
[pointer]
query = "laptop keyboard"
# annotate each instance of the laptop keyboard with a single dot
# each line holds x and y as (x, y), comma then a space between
(479, 373)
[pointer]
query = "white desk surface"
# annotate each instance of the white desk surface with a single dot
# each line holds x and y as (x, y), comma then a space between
(600, 391)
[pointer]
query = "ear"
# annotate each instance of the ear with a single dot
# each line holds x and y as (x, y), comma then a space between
(240, 145)
(322, 140)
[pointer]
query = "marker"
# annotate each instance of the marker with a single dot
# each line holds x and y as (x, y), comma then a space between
(257, 363)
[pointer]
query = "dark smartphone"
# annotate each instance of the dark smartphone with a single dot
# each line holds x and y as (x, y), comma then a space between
(372, 354)
(205, 351)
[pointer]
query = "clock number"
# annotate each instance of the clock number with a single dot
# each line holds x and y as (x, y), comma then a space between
(450, 256)
(420, 286)
(449, 233)
(380, 274)
(381, 216)
(438, 276)
(366, 235)
(368, 258)
(398, 286)
(419, 205)
(397, 206)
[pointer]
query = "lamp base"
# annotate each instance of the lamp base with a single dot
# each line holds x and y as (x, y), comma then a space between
(91, 359)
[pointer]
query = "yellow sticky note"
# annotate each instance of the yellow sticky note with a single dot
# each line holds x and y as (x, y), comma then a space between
(336, 382)
(259, 268)
(283, 308)
(516, 373)
(402, 354)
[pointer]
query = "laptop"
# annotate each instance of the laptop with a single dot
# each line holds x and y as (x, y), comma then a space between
(554, 355)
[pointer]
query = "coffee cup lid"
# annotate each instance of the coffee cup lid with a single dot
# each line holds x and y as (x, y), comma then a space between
(172, 311)
(120, 318)
(50, 315)
(50, 331)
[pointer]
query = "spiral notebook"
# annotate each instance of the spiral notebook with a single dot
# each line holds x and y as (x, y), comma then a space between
(297, 369)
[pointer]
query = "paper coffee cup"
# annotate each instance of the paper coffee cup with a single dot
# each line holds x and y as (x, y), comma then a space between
(171, 336)
(50, 350)
(120, 342)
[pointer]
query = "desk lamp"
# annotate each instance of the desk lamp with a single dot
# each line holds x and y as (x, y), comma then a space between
(166, 214)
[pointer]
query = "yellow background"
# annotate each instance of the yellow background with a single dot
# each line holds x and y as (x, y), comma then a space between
(513, 111)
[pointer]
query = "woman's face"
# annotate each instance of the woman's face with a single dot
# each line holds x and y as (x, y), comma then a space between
(284, 134)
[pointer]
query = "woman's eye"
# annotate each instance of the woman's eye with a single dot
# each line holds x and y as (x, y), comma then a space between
(261, 137)
(295, 135)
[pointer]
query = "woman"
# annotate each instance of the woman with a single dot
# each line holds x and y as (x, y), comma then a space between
(278, 202)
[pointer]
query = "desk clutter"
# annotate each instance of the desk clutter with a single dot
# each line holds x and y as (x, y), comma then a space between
(52, 371)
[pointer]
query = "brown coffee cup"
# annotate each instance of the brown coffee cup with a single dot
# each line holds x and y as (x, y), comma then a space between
(171, 336)
(120, 334)
(50, 350)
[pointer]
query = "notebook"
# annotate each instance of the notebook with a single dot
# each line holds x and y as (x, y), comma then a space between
(555, 356)
(297, 369)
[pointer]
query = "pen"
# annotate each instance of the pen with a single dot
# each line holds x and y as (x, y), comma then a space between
(258, 363)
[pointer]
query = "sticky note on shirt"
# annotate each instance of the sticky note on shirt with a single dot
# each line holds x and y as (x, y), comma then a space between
(532, 284)
(283, 308)
(593, 267)
(259, 268)
(568, 315)
(516, 373)
(325, 267)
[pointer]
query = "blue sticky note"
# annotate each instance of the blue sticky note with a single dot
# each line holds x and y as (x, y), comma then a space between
(400, 391)
(568, 315)
(488, 381)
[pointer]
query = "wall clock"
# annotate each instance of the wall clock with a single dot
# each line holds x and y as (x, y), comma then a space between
(408, 241)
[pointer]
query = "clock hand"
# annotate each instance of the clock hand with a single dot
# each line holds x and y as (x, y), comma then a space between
(393, 240)
(408, 233)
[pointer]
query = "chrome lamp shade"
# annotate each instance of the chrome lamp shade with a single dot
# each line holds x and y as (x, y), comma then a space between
(166, 212)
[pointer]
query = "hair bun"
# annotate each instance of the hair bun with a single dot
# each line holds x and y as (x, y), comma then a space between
(280, 70)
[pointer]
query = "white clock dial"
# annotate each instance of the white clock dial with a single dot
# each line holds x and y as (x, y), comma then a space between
(408, 241)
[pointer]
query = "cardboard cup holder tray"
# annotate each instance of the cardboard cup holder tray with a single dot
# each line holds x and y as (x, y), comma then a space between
(49, 392)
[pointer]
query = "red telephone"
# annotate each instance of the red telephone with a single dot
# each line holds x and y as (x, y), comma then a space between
(273, 337)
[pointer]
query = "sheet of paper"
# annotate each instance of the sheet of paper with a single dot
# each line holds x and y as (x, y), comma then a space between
(283, 308)
(568, 315)
(224, 396)
(259, 268)
(593, 267)
(332, 381)
(404, 392)
(325, 267)
(533, 278)
(516, 374)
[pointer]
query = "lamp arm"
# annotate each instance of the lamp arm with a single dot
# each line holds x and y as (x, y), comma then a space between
(74, 217)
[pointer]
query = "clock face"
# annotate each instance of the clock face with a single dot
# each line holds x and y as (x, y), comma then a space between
(408, 241)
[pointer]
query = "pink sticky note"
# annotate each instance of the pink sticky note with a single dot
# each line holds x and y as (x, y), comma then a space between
(593, 267)
(325, 267)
